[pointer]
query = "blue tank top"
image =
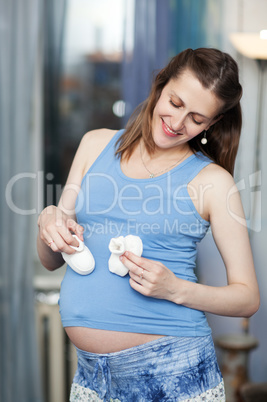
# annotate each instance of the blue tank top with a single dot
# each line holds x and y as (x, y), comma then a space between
(161, 212)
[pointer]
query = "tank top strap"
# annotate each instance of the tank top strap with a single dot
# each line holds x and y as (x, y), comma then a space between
(110, 147)
(198, 163)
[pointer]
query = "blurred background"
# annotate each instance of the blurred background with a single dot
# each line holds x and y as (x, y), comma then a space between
(69, 66)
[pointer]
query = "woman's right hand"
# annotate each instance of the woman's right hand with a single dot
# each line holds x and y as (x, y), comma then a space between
(56, 229)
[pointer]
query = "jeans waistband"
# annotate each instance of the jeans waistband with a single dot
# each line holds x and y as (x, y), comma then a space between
(185, 343)
(166, 356)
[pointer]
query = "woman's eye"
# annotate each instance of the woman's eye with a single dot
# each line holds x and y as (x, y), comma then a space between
(196, 122)
(174, 104)
(177, 106)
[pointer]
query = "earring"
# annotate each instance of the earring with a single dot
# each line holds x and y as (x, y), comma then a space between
(204, 138)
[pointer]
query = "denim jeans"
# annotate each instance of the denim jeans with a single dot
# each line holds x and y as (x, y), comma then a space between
(167, 369)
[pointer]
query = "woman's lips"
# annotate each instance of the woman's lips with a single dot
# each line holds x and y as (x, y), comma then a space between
(167, 130)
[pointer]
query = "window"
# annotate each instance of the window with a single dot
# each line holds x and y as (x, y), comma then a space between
(83, 80)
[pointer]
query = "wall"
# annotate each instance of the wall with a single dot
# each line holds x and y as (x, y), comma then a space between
(246, 16)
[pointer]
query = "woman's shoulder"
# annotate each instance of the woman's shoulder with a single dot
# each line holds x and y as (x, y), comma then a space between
(93, 143)
(217, 187)
(98, 138)
(216, 175)
(217, 179)
(211, 187)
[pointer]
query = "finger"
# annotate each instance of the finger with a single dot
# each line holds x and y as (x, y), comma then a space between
(48, 240)
(132, 266)
(70, 239)
(140, 261)
(53, 246)
(138, 274)
(67, 234)
(50, 243)
(138, 287)
(62, 235)
(61, 242)
(139, 278)
(77, 229)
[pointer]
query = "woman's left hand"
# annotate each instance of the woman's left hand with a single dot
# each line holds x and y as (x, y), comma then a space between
(150, 278)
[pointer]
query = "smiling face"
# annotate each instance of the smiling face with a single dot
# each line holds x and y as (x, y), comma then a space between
(185, 108)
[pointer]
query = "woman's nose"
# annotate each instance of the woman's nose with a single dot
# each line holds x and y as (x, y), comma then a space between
(178, 121)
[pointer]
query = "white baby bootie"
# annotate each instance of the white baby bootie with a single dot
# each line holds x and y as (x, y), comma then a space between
(117, 246)
(82, 261)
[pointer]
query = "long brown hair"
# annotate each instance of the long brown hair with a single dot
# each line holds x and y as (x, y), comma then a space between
(216, 71)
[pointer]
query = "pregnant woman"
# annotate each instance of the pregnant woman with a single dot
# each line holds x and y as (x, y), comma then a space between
(166, 178)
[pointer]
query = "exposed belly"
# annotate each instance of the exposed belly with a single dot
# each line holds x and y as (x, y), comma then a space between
(102, 341)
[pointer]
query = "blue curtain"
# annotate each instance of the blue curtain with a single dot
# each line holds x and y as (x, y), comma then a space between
(150, 50)
(163, 28)
(195, 23)
(19, 28)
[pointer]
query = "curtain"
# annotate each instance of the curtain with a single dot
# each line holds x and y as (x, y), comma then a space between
(163, 28)
(149, 52)
(195, 23)
(19, 29)
(54, 24)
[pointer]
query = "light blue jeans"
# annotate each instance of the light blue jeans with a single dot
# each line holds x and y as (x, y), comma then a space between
(167, 369)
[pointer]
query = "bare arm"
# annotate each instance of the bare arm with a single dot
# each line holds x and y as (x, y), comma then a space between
(56, 224)
(240, 297)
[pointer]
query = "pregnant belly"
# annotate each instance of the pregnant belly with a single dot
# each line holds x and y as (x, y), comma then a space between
(103, 341)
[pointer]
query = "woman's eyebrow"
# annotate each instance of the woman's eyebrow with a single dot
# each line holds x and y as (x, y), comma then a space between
(183, 104)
